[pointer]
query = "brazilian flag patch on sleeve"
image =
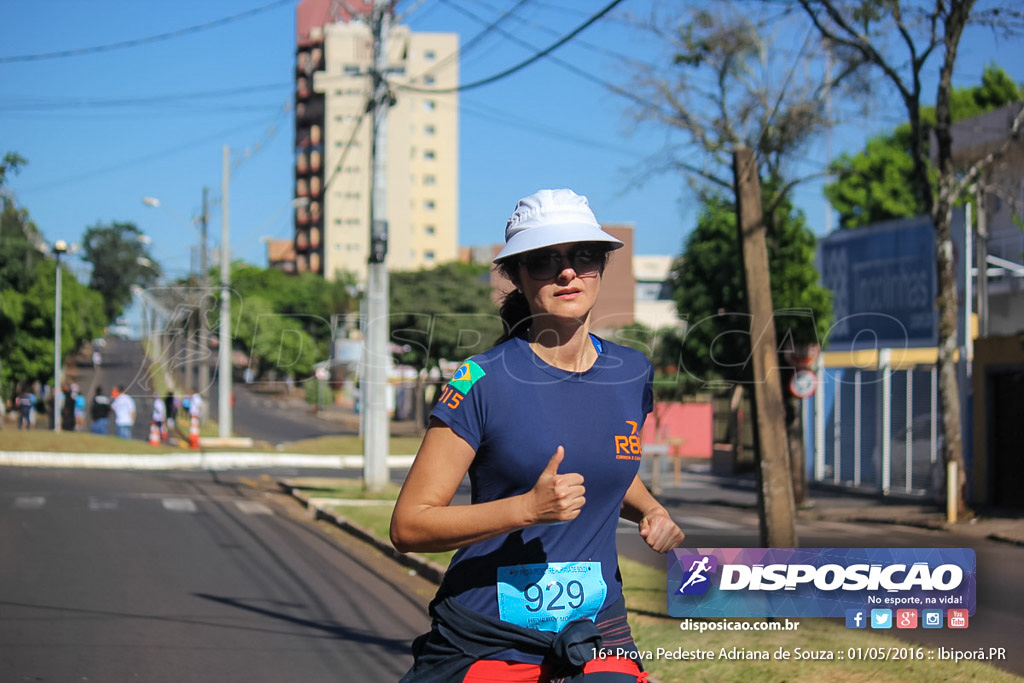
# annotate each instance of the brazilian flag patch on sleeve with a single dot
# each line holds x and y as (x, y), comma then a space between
(468, 374)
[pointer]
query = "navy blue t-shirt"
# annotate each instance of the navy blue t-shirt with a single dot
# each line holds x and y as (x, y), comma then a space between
(515, 410)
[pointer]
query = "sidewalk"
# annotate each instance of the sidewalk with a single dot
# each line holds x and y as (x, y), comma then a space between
(829, 503)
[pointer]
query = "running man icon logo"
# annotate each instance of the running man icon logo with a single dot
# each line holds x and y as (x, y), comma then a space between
(695, 581)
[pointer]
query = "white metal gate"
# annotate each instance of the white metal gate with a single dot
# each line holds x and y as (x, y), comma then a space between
(877, 430)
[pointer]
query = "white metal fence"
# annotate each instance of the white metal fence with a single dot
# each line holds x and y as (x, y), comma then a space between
(877, 430)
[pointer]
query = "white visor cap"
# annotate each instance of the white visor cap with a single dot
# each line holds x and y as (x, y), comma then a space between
(549, 217)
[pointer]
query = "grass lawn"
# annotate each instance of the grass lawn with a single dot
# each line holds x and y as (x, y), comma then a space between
(44, 440)
(645, 590)
(73, 442)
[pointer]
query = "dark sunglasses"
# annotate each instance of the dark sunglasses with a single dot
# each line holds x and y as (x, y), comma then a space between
(546, 264)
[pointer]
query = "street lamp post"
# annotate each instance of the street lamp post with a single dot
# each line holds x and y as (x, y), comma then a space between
(60, 247)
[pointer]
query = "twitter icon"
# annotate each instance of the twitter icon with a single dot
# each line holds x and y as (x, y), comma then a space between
(881, 618)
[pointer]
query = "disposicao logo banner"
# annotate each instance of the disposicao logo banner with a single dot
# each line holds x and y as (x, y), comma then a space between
(817, 582)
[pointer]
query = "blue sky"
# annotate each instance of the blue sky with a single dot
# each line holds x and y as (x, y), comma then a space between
(102, 129)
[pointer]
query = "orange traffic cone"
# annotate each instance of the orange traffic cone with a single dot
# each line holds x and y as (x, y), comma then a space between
(154, 434)
(193, 433)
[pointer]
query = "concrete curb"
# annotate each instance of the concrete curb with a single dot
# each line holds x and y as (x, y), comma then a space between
(1005, 539)
(421, 565)
(190, 460)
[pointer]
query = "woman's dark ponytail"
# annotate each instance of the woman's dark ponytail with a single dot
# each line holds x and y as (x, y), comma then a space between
(515, 315)
(515, 309)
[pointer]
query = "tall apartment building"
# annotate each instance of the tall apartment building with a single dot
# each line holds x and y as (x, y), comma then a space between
(333, 138)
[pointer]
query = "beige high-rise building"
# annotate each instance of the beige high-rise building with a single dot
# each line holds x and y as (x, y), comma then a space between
(334, 141)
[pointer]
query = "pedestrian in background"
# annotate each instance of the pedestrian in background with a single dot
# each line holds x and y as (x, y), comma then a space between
(80, 406)
(171, 408)
(195, 405)
(160, 416)
(44, 402)
(124, 413)
(549, 414)
(100, 412)
(25, 402)
(67, 409)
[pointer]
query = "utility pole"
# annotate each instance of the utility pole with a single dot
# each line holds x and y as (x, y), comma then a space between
(224, 416)
(204, 284)
(375, 467)
(59, 248)
(775, 494)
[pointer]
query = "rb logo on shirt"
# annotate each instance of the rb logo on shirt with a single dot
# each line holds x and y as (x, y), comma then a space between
(627, 447)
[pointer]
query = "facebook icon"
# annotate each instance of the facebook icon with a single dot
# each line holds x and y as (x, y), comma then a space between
(856, 618)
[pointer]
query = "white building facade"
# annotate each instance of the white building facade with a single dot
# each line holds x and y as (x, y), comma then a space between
(334, 168)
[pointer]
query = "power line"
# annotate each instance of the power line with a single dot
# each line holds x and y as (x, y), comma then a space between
(179, 113)
(522, 65)
(600, 49)
(468, 45)
(11, 103)
(348, 145)
(136, 42)
(504, 118)
(268, 135)
(582, 73)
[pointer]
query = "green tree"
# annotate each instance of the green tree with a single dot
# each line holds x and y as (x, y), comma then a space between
(285, 321)
(443, 313)
(11, 163)
(308, 299)
(709, 291)
(120, 259)
(27, 300)
(21, 245)
(274, 340)
(871, 185)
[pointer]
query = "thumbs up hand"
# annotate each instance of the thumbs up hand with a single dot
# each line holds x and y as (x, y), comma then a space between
(556, 497)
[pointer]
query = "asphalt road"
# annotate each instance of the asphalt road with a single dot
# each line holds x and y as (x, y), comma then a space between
(190, 576)
(263, 417)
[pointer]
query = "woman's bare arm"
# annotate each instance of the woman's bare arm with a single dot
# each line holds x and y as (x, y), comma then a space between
(424, 519)
(656, 526)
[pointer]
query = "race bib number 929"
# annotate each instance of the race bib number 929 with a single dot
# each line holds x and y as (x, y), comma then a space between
(546, 597)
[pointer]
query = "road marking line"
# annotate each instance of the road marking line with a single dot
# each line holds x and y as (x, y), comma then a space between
(251, 507)
(102, 503)
(179, 504)
(29, 502)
